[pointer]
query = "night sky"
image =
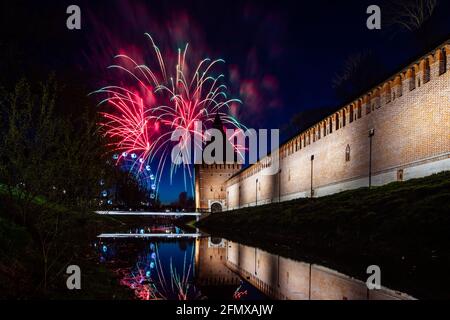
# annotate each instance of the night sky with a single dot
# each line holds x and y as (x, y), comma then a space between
(281, 57)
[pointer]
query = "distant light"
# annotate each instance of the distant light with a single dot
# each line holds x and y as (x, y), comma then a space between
(152, 177)
(124, 154)
(104, 248)
(105, 193)
(147, 274)
(153, 186)
(152, 265)
(153, 256)
(115, 156)
(147, 167)
(141, 160)
(133, 156)
(110, 201)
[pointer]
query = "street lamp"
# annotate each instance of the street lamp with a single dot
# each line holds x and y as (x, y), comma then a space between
(279, 186)
(256, 193)
(371, 134)
(312, 168)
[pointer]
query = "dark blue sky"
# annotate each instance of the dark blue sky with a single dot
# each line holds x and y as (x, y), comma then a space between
(285, 53)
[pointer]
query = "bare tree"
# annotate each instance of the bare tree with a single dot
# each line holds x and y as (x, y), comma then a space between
(359, 72)
(410, 14)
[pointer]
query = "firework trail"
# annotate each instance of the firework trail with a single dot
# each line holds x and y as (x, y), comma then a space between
(149, 282)
(141, 118)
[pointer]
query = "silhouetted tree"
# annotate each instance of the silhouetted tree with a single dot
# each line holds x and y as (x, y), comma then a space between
(47, 159)
(183, 202)
(359, 73)
(305, 119)
(410, 15)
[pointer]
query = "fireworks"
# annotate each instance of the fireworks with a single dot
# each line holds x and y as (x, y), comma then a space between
(139, 119)
(149, 281)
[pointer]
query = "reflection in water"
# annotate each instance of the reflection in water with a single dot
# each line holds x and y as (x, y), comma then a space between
(240, 292)
(155, 275)
(150, 281)
(163, 267)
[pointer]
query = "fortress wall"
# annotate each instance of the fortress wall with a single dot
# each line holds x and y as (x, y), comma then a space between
(330, 285)
(294, 279)
(287, 279)
(411, 117)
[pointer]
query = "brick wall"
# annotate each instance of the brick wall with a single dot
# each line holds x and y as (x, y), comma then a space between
(286, 279)
(210, 184)
(411, 117)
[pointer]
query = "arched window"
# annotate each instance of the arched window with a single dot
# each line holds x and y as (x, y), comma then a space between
(344, 117)
(330, 125)
(351, 113)
(347, 153)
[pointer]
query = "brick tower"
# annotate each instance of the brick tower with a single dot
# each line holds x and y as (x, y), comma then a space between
(210, 179)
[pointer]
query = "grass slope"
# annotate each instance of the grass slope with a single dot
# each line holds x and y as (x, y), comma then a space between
(404, 227)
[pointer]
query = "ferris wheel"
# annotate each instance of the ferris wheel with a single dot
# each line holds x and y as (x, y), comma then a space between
(141, 171)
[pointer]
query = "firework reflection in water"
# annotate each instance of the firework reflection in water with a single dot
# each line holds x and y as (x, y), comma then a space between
(149, 281)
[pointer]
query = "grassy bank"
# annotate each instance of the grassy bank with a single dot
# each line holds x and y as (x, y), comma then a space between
(35, 252)
(403, 227)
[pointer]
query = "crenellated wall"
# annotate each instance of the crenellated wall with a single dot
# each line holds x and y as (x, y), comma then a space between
(410, 116)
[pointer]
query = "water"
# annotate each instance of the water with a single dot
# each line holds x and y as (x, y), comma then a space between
(161, 261)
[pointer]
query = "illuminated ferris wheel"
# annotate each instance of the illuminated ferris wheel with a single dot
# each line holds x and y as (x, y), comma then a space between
(143, 173)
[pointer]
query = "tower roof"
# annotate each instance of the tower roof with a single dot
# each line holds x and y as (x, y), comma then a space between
(217, 123)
